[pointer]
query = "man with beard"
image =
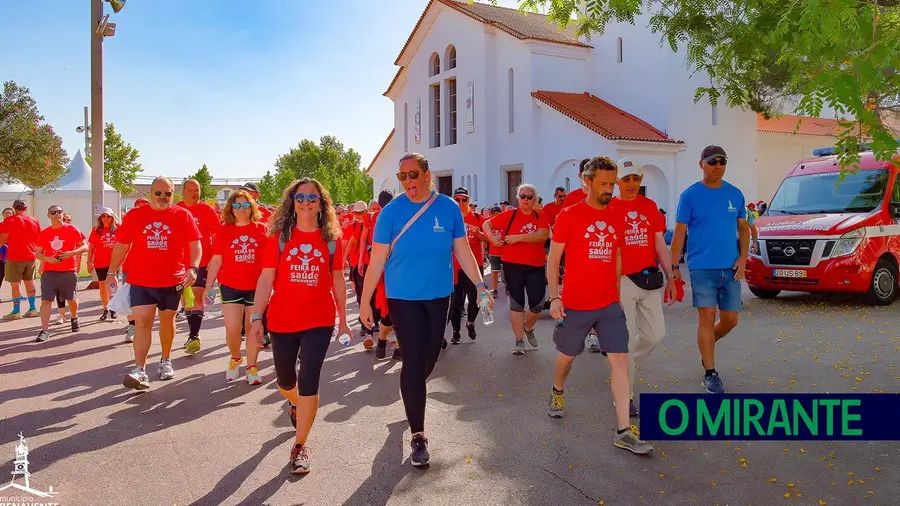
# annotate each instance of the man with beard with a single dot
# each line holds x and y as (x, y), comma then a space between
(592, 236)
(155, 238)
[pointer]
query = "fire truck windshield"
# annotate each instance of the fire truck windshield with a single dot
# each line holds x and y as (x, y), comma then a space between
(858, 192)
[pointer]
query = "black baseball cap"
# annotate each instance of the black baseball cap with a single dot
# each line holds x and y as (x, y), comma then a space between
(20, 205)
(504, 203)
(251, 186)
(712, 152)
(461, 191)
(385, 198)
(496, 209)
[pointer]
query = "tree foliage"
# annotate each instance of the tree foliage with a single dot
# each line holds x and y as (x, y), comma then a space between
(203, 177)
(120, 161)
(327, 162)
(30, 151)
(775, 57)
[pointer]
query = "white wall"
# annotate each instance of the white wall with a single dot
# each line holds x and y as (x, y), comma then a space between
(778, 153)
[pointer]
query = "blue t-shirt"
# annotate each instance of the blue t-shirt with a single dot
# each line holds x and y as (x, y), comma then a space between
(420, 266)
(711, 215)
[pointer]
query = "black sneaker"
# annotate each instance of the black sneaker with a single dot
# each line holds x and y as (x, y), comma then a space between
(397, 355)
(75, 326)
(632, 409)
(104, 316)
(113, 315)
(470, 328)
(455, 338)
(419, 456)
(444, 344)
(381, 349)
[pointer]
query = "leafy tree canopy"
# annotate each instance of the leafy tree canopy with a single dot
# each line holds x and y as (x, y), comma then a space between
(203, 177)
(30, 151)
(770, 55)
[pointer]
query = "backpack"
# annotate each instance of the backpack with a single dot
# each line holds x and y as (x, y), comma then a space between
(332, 245)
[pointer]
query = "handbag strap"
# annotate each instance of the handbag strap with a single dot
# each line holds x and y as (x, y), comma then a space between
(412, 220)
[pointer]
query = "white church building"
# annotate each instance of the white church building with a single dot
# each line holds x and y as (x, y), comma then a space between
(493, 97)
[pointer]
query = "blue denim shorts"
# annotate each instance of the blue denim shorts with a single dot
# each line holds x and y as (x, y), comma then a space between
(716, 288)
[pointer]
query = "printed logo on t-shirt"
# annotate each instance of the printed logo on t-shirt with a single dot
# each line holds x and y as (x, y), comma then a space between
(108, 240)
(303, 269)
(244, 249)
(731, 208)
(599, 247)
(528, 228)
(636, 234)
(56, 245)
(471, 231)
(157, 236)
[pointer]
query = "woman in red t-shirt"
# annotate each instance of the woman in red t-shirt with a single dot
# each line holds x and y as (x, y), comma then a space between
(463, 288)
(302, 263)
(100, 246)
(237, 262)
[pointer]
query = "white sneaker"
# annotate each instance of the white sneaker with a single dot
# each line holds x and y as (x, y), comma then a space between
(137, 380)
(234, 369)
(61, 320)
(592, 343)
(165, 369)
(129, 334)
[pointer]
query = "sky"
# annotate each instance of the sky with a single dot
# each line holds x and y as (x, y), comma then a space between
(231, 84)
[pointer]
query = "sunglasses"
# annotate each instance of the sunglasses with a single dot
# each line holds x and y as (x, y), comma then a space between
(300, 198)
(461, 199)
(159, 193)
(526, 197)
(105, 216)
(55, 212)
(413, 174)
(718, 161)
(237, 205)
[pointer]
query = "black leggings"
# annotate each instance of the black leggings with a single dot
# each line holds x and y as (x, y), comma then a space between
(419, 325)
(525, 279)
(464, 288)
(310, 345)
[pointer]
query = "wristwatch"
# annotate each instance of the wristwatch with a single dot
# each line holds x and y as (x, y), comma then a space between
(195, 269)
(255, 318)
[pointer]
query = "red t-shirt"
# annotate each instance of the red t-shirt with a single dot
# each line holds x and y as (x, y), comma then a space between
(264, 214)
(55, 241)
(356, 230)
(592, 238)
(158, 240)
(346, 225)
(525, 253)
(23, 233)
(209, 222)
(574, 197)
(473, 225)
(642, 221)
(242, 253)
(103, 244)
(552, 210)
(303, 296)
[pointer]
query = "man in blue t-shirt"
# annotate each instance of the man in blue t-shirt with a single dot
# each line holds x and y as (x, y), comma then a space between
(715, 214)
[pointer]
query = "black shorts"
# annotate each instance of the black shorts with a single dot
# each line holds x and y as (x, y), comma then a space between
(166, 299)
(522, 280)
(235, 296)
(101, 272)
(58, 286)
(201, 278)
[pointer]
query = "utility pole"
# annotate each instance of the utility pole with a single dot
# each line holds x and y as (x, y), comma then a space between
(87, 132)
(97, 107)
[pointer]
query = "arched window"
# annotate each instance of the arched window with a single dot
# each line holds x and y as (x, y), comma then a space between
(567, 185)
(469, 185)
(450, 57)
(435, 66)
(619, 49)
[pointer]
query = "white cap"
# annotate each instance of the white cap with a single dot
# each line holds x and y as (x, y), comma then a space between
(360, 207)
(628, 167)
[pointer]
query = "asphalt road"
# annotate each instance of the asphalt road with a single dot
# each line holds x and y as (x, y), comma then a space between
(198, 440)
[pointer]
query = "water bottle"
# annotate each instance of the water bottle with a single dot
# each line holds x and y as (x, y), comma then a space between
(344, 340)
(487, 316)
(210, 300)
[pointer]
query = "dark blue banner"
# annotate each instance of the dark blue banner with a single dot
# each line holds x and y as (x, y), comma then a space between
(692, 417)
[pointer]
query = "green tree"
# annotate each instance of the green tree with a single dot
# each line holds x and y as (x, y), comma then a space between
(337, 168)
(767, 55)
(30, 151)
(120, 161)
(203, 177)
(269, 191)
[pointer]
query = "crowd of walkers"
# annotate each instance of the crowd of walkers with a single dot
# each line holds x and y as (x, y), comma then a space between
(598, 263)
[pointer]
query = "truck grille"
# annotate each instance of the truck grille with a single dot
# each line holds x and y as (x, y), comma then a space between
(792, 281)
(790, 251)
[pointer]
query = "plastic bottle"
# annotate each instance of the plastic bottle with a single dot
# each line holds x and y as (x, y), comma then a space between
(487, 316)
(344, 340)
(210, 299)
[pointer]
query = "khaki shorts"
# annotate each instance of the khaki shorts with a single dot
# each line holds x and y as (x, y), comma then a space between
(16, 272)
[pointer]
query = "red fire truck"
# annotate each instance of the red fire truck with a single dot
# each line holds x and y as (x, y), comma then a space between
(822, 235)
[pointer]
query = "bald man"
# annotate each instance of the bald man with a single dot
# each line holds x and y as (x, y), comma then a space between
(155, 238)
(209, 223)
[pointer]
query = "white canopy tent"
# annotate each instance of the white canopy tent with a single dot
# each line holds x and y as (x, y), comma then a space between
(13, 191)
(73, 193)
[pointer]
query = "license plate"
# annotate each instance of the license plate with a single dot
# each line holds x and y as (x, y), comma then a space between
(789, 273)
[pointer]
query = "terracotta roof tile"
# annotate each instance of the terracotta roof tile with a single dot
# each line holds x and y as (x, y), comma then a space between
(512, 21)
(396, 77)
(602, 117)
(386, 141)
(808, 126)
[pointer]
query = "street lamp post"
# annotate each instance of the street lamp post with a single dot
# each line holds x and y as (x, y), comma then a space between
(97, 106)
(86, 130)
